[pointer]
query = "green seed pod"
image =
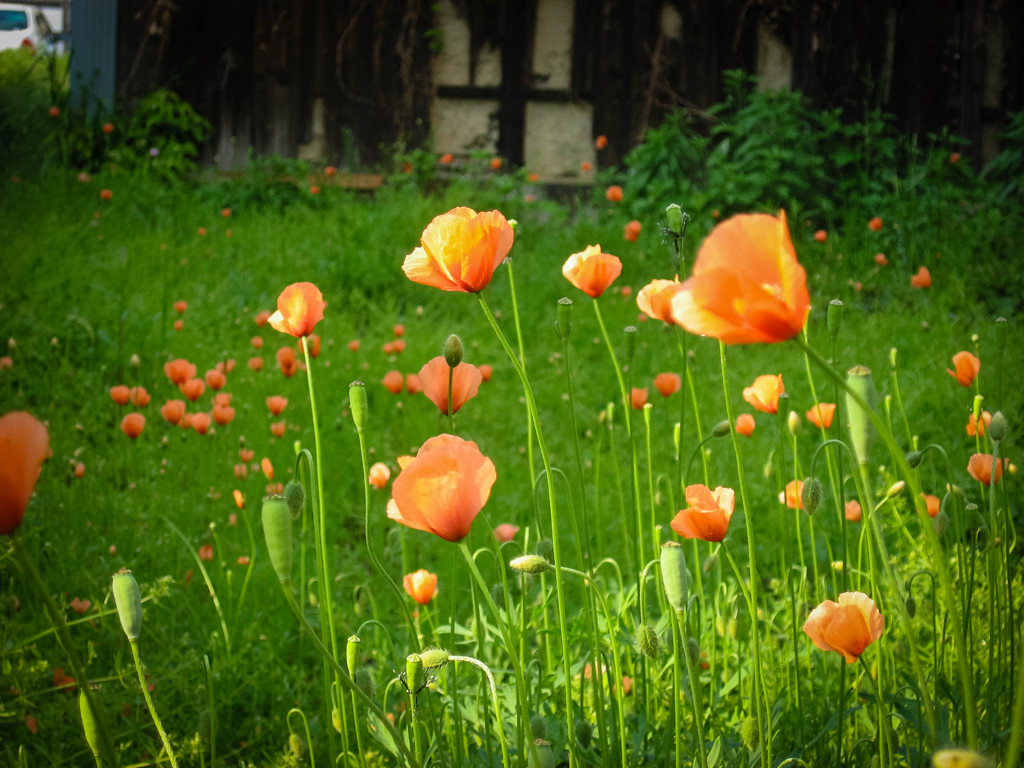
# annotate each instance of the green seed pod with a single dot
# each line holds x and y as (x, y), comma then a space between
(749, 734)
(277, 530)
(997, 427)
(414, 671)
(674, 219)
(295, 496)
(646, 641)
(296, 745)
(545, 758)
(911, 606)
(1002, 326)
(352, 654)
(721, 429)
(92, 731)
(564, 318)
(631, 335)
(914, 459)
(584, 732)
(364, 679)
(357, 403)
(128, 599)
(810, 495)
(434, 658)
(674, 575)
(539, 726)
(862, 432)
(834, 318)
(546, 549)
(453, 351)
(530, 564)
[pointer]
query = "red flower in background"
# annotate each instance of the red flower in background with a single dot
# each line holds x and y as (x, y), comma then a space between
(967, 368)
(764, 393)
(24, 446)
(132, 424)
(299, 308)
(466, 379)
(707, 518)
(847, 627)
(592, 270)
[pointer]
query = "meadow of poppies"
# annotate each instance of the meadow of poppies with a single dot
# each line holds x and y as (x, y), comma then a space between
(493, 472)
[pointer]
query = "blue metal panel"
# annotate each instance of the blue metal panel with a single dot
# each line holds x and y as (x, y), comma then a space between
(93, 43)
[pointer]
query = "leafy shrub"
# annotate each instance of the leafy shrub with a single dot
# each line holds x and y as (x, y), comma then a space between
(162, 137)
(29, 85)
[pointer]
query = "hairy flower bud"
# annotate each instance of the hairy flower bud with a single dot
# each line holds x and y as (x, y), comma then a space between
(128, 599)
(453, 351)
(646, 641)
(530, 564)
(810, 495)
(749, 734)
(295, 498)
(997, 427)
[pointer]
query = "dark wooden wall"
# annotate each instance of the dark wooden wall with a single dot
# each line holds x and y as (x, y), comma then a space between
(255, 67)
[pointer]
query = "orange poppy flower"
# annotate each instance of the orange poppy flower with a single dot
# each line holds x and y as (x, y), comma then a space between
(24, 446)
(978, 427)
(193, 389)
(747, 285)
(932, 503)
(591, 270)
(172, 411)
(241, 471)
(222, 399)
(614, 193)
(413, 385)
(276, 404)
(393, 382)
(180, 307)
(106, 194)
(223, 414)
(821, 236)
(852, 511)
(446, 158)
(78, 605)
(460, 250)
(881, 259)
(745, 424)
(708, 515)
(967, 368)
(330, 170)
(586, 166)
(495, 163)
(239, 498)
(267, 467)
(121, 394)
(420, 585)
(314, 345)
(980, 468)
(256, 342)
(286, 361)
(505, 532)
(179, 325)
(486, 371)
(466, 380)
(764, 393)
(261, 317)
(139, 396)
(200, 422)
(875, 224)
(791, 497)
(443, 488)
(397, 347)
(206, 552)
(922, 279)
(353, 345)
(655, 299)
(245, 454)
(631, 232)
(215, 379)
(299, 308)
(600, 142)
(847, 627)
(277, 428)
(821, 415)
(398, 330)
(668, 383)
(79, 470)
(132, 424)
(638, 398)
(256, 364)
(179, 371)
(379, 475)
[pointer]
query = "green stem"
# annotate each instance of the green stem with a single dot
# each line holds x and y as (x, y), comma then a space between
(494, 700)
(695, 694)
(149, 703)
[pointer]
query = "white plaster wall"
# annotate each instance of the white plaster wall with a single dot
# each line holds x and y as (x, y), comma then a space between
(552, 45)
(460, 125)
(451, 66)
(774, 61)
(558, 140)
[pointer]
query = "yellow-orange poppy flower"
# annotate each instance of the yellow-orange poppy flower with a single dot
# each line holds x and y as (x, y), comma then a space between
(921, 279)
(24, 446)
(173, 411)
(668, 383)
(466, 379)
(132, 424)
(932, 503)
(978, 426)
(179, 371)
(852, 511)
(821, 415)
(747, 285)
(967, 368)
(420, 585)
(708, 515)
(592, 270)
(121, 394)
(745, 424)
(443, 488)
(638, 397)
(460, 250)
(846, 627)
(276, 404)
(764, 393)
(379, 475)
(791, 497)
(655, 299)
(980, 468)
(299, 308)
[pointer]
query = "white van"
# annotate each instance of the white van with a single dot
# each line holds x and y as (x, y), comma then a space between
(24, 26)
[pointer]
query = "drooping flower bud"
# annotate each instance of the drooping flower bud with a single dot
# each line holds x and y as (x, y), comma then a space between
(584, 733)
(357, 404)
(128, 599)
(453, 351)
(539, 726)
(911, 606)
(646, 640)
(749, 734)
(940, 523)
(546, 549)
(913, 459)
(295, 497)
(997, 427)
(862, 432)
(296, 745)
(564, 318)
(434, 658)
(530, 564)
(277, 530)
(674, 575)
(364, 679)
(721, 429)
(810, 495)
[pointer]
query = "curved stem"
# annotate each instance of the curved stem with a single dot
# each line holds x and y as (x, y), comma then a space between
(149, 704)
(494, 700)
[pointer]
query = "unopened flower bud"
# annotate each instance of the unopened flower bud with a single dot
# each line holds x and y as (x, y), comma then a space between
(89, 725)
(749, 734)
(453, 351)
(434, 658)
(960, 758)
(810, 495)
(498, 595)
(296, 745)
(895, 489)
(631, 336)
(913, 459)
(646, 641)
(693, 650)
(357, 404)
(793, 423)
(539, 726)
(997, 427)
(674, 575)
(336, 719)
(564, 318)
(530, 564)
(205, 727)
(940, 523)
(128, 599)
(546, 549)
(674, 219)
(911, 606)
(352, 654)
(277, 530)
(364, 679)
(414, 672)
(584, 733)
(295, 498)
(862, 432)
(134, 361)
(1001, 329)
(834, 318)
(721, 429)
